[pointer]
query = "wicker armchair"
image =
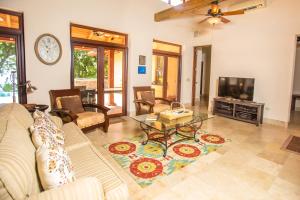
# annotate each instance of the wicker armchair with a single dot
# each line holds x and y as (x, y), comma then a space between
(90, 116)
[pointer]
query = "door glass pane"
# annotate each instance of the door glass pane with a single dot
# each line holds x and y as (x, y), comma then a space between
(113, 80)
(172, 79)
(8, 70)
(85, 72)
(158, 74)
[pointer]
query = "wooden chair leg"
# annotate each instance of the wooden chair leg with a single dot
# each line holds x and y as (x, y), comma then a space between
(106, 125)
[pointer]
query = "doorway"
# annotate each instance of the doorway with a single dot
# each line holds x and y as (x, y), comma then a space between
(201, 76)
(99, 68)
(12, 58)
(166, 70)
(295, 108)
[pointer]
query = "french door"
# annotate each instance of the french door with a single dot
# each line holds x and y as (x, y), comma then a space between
(12, 58)
(99, 72)
(166, 76)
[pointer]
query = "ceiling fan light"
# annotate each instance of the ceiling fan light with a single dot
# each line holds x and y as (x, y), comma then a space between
(214, 20)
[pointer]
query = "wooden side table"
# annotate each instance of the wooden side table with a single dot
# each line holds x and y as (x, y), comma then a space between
(33, 107)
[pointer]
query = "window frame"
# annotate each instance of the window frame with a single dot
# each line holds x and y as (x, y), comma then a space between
(18, 34)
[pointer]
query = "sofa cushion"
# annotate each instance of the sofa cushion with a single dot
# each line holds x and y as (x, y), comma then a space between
(19, 112)
(87, 161)
(17, 160)
(88, 188)
(57, 121)
(74, 138)
(54, 167)
(87, 119)
(72, 103)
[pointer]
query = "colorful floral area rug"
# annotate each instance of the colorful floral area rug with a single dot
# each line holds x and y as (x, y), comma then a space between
(145, 163)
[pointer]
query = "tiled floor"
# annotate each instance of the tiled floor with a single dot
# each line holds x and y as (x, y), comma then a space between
(252, 166)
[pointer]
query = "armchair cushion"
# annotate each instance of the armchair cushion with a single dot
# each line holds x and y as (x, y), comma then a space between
(148, 96)
(88, 188)
(87, 119)
(72, 103)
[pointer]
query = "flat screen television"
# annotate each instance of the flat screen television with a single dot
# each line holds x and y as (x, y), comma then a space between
(237, 88)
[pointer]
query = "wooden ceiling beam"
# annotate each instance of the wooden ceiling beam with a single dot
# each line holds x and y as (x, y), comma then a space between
(188, 8)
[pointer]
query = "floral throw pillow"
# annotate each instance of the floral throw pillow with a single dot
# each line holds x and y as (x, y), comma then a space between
(54, 167)
(44, 135)
(44, 131)
(38, 114)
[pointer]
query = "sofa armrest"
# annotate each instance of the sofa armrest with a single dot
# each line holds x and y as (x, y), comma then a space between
(57, 121)
(86, 188)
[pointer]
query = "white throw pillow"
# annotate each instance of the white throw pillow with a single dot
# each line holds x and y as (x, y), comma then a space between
(54, 167)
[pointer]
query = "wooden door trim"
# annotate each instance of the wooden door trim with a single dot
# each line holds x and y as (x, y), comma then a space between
(194, 72)
(165, 79)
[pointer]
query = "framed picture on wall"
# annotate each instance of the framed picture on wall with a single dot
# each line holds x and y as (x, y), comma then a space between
(142, 60)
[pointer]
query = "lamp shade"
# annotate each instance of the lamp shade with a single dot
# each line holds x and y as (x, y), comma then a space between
(214, 20)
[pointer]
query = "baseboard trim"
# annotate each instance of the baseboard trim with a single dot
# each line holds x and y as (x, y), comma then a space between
(276, 122)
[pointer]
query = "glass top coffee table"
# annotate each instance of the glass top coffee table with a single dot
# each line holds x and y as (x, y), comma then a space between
(191, 124)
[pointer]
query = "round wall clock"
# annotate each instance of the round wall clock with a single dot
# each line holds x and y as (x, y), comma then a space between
(48, 49)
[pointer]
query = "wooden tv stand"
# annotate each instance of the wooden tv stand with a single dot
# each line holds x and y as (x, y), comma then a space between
(246, 111)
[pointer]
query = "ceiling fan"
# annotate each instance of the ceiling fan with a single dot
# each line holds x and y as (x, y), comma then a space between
(215, 14)
(191, 8)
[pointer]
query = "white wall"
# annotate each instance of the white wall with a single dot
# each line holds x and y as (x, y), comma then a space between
(297, 76)
(134, 17)
(259, 44)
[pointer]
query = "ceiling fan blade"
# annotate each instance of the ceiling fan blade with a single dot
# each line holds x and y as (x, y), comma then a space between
(235, 12)
(204, 20)
(182, 10)
(224, 20)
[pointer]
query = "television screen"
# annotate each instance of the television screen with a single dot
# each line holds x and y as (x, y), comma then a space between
(237, 88)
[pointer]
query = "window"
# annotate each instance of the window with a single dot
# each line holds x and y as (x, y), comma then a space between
(87, 33)
(12, 63)
(174, 2)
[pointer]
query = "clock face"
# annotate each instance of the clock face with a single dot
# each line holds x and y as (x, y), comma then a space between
(48, 49)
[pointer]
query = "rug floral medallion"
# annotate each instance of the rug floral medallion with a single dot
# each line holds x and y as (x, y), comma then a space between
(145, 163)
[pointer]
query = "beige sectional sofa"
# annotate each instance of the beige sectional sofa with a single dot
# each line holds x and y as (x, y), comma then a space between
(95, 178)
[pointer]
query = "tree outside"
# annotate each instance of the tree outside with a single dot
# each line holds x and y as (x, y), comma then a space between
(7, 65)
